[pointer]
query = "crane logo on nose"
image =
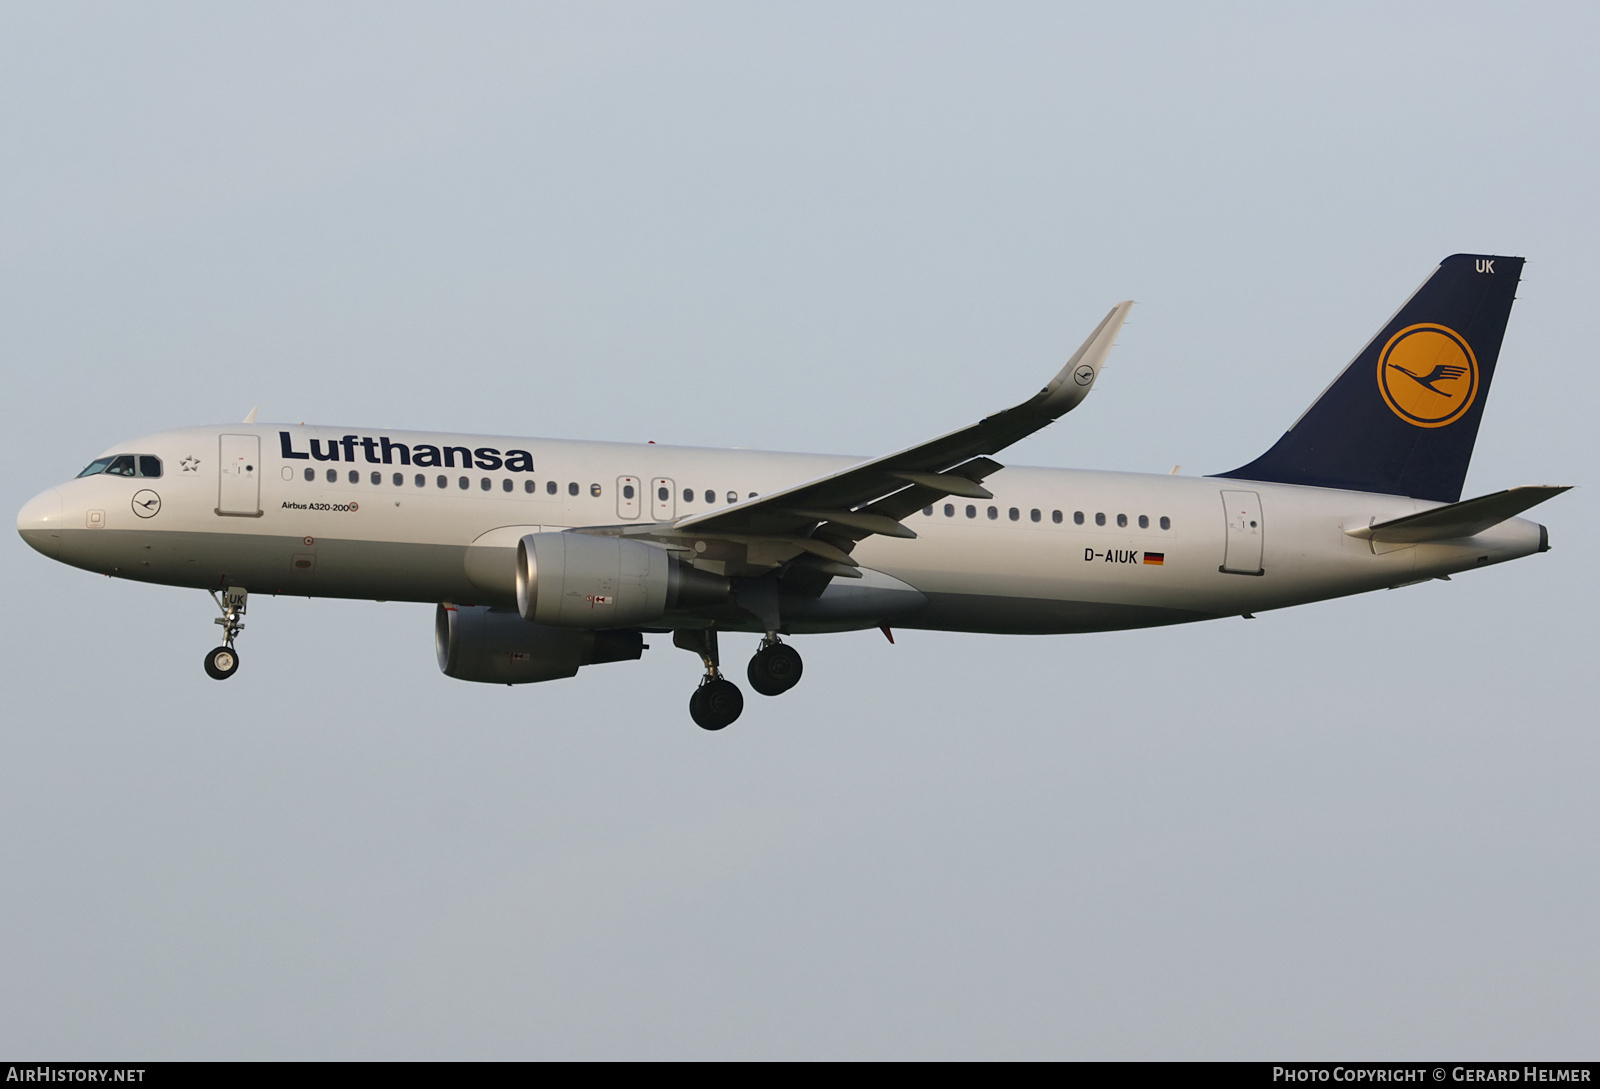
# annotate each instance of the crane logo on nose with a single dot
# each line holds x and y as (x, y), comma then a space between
(146, 503)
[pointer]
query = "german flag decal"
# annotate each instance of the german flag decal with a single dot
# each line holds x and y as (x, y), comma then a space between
(1155, 559)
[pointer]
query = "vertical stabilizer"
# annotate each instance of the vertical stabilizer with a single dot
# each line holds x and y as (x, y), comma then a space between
(1403, 417)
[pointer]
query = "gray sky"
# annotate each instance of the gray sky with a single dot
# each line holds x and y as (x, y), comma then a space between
(1361, 828)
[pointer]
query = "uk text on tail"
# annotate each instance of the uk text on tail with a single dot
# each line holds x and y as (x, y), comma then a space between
(1403, 416)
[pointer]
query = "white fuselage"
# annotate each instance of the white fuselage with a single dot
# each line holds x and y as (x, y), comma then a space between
(1055, 550)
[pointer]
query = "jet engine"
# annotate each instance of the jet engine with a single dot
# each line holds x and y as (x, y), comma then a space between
(575, 580)
(497, 646)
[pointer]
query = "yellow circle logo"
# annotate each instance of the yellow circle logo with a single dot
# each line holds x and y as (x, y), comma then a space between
(1428, 375)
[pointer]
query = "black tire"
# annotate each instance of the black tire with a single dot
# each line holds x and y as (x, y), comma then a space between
(222, 663)
(775, 669)
(716, 704)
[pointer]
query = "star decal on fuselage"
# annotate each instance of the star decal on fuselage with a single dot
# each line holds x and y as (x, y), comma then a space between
(190, 464)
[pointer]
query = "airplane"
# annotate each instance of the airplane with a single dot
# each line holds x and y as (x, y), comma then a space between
(543, 556)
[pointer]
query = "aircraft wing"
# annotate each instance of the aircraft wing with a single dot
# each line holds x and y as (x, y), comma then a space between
(831, 513)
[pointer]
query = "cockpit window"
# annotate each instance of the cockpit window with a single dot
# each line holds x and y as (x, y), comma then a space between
(146, 465)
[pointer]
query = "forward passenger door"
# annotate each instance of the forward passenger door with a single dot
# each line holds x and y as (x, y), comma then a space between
(239, 471)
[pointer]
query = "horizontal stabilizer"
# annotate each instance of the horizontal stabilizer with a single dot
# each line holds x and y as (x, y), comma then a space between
(1462, 519)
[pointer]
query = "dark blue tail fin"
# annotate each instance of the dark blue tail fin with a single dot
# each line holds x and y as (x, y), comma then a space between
(1403, 416)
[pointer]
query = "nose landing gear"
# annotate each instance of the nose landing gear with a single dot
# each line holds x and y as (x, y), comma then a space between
(775, 668)
(223, 662)
(718, 701)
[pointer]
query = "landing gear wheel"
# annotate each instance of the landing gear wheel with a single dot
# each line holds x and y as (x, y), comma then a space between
(222, 663)
(775, 669)
(715, 704)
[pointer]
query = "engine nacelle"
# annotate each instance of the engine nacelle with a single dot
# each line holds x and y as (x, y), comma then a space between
(575, 580)
(496, 646)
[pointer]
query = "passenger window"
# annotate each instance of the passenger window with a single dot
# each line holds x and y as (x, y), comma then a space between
(333, 476)
(1034, 514)
(1166, 523)
(463, 483)
(993, 514)
(149, 465)
(572, 488)
(421, 481)
(949, 510)
(927, 512)
(377, 478)
(311, 474)
(443, 481)
(662, 494)
(550, 488)
(1099, 519)
(688, 495)
(506, 485)
(1015, 514)
(355, 477)
(1122, 521)
(527, 486)
(972, 511)
(711, 496)
(627, 491)
(1077, 517)
(485, 484)
(1144, 521)
(594, 490)
(399, 480)
(1055, 516)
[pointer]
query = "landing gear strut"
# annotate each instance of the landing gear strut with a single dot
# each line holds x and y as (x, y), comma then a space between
(775, 668)
(223, 661)
(718, 701)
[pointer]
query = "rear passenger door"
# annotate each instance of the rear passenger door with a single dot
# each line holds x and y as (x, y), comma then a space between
(1242, 552)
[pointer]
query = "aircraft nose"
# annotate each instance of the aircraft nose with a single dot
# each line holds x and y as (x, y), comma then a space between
(39, 522)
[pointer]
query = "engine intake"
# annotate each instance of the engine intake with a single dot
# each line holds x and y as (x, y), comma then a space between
(497, 646)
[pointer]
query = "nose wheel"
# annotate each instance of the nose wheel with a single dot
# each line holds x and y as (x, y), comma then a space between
(223, 661)
(775, 668)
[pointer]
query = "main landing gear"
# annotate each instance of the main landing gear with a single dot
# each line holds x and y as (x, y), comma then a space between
(718, 702)
(223, 661)
(775, 668)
